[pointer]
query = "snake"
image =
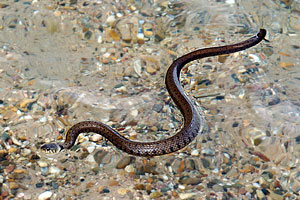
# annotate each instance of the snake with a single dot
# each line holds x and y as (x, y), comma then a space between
(193, 121)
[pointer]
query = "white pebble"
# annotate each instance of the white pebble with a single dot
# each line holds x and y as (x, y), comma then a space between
(134, 113)
(43, 119)
(54, 170)
(256, 185)
(95, 138)
(165, 177)
(90, 149)
(42, 163)
(106, 55)
(100, 40)
(90, 158)
(27, 197)
(45, 195)
(186, 195)
(129, 168)
(21, 195)
(182, 187)
(195, 152)
(254, 58)
(26, 152)
(15, 141)
(110, 20)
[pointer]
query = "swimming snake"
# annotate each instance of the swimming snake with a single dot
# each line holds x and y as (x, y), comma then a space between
(192, 123)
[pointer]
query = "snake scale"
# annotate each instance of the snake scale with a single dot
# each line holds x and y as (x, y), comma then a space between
(193, 122)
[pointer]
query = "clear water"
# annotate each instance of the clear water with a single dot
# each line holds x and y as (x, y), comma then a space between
(71, 60)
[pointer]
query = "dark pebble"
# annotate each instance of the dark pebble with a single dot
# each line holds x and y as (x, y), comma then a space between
(34, 157)
(5, 137)
(274, 101)
(297, 139)
(235, 124)
(205, 82)
(14, 191)
(157, 107)
(105, 190)
(266, 192)
(39, 185)
(267, 175)
(2, 5)
(212, 183)
(220, 97)
(205, 163)
(88, 35)
(54, 185)
(165, 189)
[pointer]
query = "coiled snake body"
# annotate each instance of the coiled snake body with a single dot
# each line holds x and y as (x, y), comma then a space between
(193, 122)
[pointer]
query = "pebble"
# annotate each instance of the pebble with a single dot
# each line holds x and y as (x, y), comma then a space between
(96, 138)
(91, 148)
(122, 191)
(130, 169)
(208, 152)
(195, 152)
(15, 141)
(90, 159)
(12, 150)
(190, 180)
(113, 183)
(124, 161)
(147, 30)
(155, 195)
(125, 31)
(27, 196)
(54, 170)
(39, 185)
(205, 163)
(186, 195)
(260, 194)
(218, 188)
(111, 20)
(13, 185)
(9, 168)
(26, 152)
(42, 163)
(99, 156)
(151, 70)
(25, 102)
(45, 195)
(275, 196)
(44, 170)
(286, 65)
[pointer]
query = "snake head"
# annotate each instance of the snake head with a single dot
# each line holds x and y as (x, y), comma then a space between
(51, 148)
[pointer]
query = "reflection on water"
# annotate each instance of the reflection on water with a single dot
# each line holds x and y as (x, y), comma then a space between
(67, 61)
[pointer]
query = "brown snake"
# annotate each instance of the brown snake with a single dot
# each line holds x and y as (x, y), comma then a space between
(193, 122)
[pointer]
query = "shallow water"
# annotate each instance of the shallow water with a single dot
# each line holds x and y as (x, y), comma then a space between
(64, 62)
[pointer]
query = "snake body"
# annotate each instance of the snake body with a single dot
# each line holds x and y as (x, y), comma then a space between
(193, 122)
